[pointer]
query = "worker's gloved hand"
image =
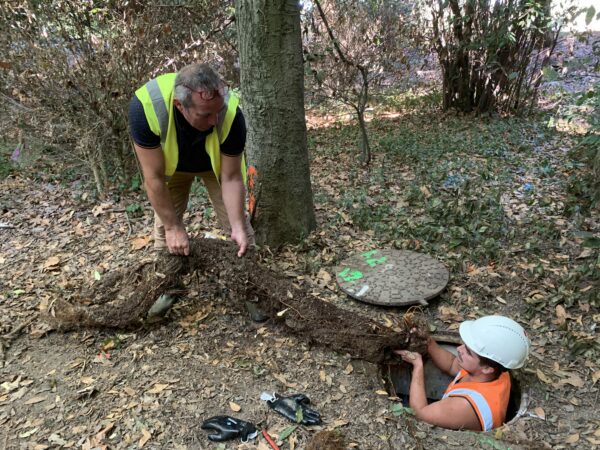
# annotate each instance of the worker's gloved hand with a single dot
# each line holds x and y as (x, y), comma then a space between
(295, 408)
(229, 428)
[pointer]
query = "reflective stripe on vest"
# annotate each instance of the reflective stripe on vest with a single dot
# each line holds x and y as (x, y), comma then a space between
(479, 403)
(488, 399)
(156, 97)
(160, 108)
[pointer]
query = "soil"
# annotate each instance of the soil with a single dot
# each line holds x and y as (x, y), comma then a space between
(122, 299)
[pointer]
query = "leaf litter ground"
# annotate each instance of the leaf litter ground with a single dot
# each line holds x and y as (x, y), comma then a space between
(487, 197)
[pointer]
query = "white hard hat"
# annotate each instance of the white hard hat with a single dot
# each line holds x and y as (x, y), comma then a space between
(497, 338)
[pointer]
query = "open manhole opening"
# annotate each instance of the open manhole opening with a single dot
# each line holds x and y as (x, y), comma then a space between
(397, 377)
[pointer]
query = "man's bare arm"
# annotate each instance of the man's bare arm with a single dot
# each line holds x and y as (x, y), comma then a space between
(442, 358)
(153, 166)
(232, 190)
(455, 413)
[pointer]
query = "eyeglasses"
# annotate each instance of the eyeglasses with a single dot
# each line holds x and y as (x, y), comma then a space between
(210, 94)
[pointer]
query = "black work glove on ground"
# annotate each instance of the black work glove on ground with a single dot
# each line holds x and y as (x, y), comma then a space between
(295, 407)
(229, 428)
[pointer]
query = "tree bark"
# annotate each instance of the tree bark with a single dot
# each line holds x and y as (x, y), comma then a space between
(272, 80)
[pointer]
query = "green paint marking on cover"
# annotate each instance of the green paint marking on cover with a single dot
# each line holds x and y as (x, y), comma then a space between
(350, 275)
(369, 254)
(373, 262)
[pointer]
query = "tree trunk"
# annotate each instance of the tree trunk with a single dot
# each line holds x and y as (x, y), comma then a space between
(100, 189)
(596, 178)
(365, 148)
(272, 80)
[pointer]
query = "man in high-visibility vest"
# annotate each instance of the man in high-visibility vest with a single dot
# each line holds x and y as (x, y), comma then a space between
(188, 125)
(477, 398)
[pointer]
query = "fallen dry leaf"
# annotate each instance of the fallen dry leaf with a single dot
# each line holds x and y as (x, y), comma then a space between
(338, 423)
(262, 445)
(19, 394)
(56, 439)
(158, 388)
(34, 400)
(234, 407)
(11, 386)
(51, 263)
(140, 242)
(146, 435)
(449, 314)
(129, 391)
(561, 315)
(540, 413)
(28, 433)
(324, 275)
(573, 380)
(596, 376)
(279, 377)
(543, 377)
(102, 434)
(572, 439)
(586, 253)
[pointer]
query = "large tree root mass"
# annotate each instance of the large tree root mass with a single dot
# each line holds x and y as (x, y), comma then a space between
(122, 299)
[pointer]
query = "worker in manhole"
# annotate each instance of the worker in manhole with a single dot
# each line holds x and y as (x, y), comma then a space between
(478, 396)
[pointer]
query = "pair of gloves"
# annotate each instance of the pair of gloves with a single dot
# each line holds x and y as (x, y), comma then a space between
(295, 408)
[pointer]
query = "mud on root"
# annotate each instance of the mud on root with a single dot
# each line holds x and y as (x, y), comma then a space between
(122, 299)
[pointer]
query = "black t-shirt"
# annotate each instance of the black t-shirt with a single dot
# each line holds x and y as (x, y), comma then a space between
(192, 152)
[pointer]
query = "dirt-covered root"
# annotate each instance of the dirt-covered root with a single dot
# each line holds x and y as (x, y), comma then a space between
(120, 299)
(124, 299)
(330, 440)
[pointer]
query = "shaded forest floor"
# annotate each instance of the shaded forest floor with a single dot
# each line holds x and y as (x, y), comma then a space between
(495, 199)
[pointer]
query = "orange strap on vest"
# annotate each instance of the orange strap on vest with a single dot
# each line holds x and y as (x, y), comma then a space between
(489, 399)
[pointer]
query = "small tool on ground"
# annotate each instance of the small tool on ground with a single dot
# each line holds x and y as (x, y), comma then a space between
(270, 440)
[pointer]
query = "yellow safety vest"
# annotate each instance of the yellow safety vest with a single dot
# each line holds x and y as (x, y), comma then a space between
(156, 97)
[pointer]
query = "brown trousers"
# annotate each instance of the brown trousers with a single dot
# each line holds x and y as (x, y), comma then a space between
(179, 186)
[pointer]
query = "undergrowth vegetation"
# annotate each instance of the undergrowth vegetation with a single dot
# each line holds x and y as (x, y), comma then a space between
(451, 183)
(5, 165)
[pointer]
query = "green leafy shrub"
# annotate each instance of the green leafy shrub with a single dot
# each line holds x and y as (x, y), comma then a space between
(492, 54)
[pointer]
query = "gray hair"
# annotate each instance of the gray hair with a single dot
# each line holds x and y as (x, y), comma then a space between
(197, 77)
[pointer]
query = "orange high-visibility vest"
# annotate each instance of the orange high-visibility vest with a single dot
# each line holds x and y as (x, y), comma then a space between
(488, 399)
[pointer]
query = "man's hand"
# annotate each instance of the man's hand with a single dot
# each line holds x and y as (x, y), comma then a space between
(413, 358)
(178, 241)
(241, 239)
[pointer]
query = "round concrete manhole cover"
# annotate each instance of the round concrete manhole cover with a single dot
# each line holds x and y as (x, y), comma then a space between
(392, 277)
